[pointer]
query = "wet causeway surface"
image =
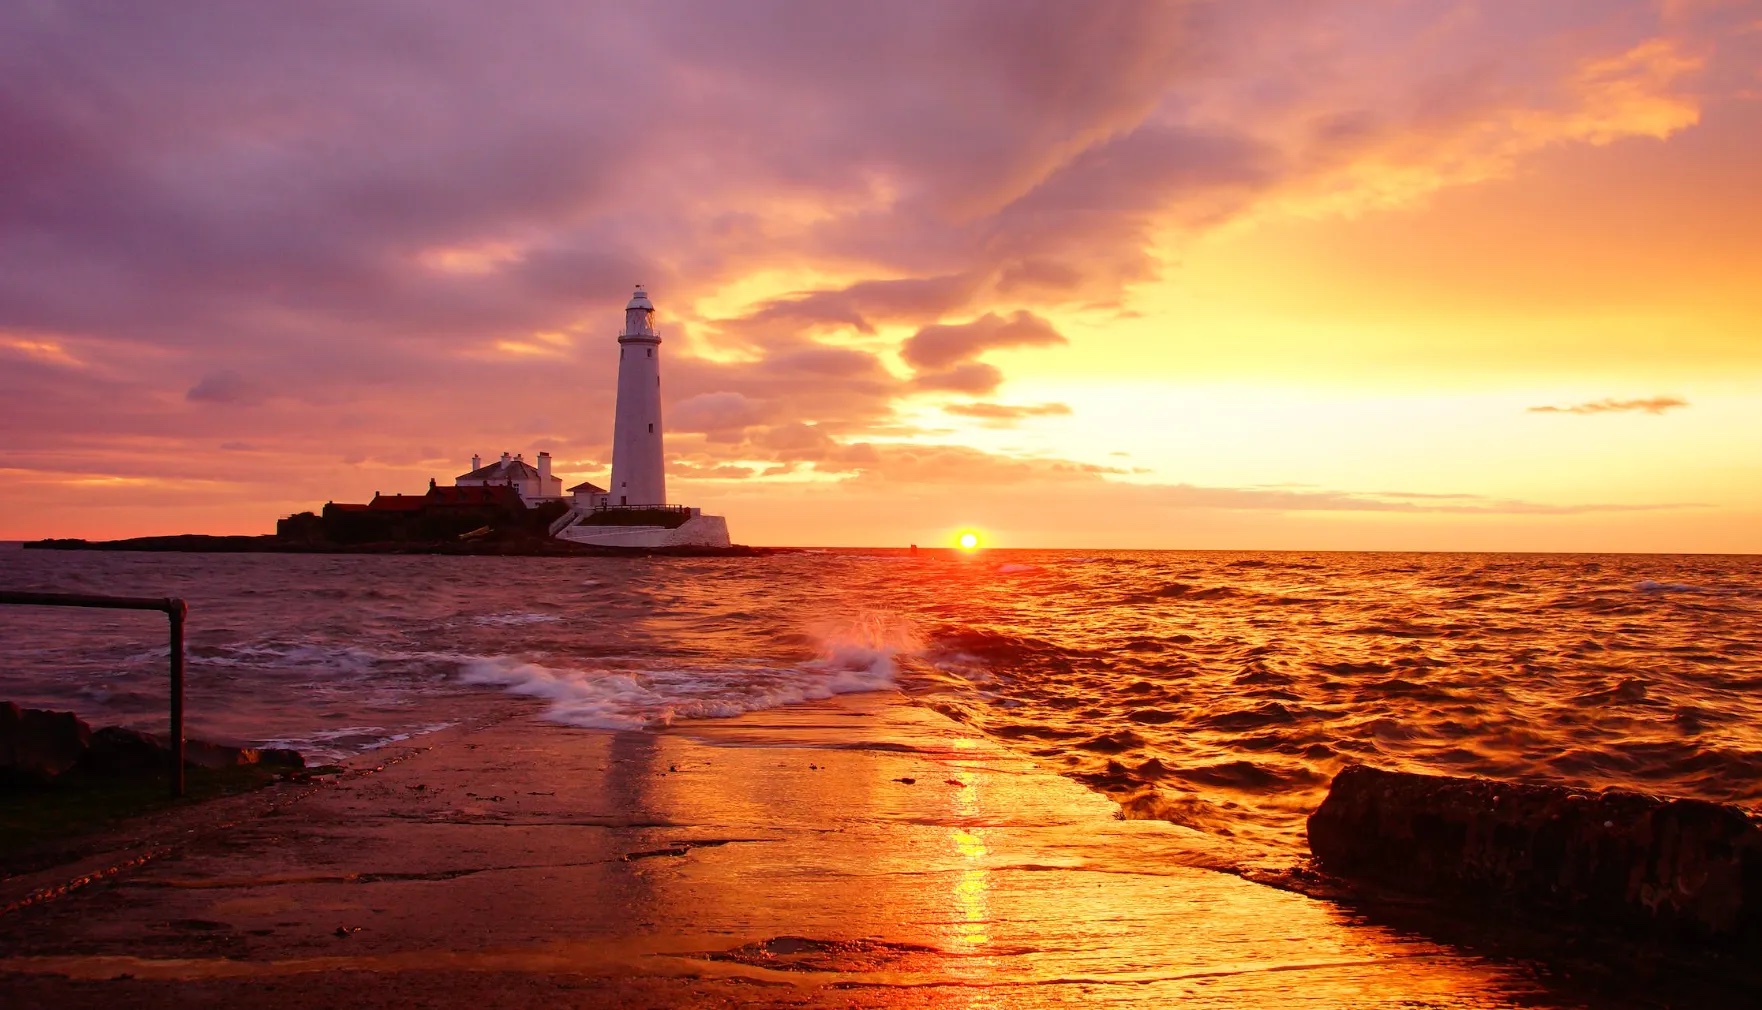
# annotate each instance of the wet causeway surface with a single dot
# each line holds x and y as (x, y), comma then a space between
(860, 853)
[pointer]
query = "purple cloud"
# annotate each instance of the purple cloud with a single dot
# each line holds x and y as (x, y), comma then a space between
(361, 228)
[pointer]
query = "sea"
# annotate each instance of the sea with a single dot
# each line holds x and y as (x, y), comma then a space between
(1218, 690)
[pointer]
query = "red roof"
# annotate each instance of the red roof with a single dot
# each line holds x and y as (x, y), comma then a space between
(338, 506)
(398, 502)
(469, 495)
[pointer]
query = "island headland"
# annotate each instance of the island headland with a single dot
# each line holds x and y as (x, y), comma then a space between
(509, 506)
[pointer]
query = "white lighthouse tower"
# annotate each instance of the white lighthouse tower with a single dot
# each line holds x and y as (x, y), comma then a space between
(634, 511)
(639, 475)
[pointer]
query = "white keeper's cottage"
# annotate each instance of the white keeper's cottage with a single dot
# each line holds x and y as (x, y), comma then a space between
(535, 483)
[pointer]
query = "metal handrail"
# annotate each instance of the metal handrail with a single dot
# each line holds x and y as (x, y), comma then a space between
(175, 610)
(642, 508)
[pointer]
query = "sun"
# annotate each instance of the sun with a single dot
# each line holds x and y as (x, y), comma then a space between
(968, 541)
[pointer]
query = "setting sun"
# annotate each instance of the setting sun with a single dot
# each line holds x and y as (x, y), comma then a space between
(968, 541)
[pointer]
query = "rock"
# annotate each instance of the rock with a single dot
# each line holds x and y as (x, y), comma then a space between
(281, 757)
(202, 754)
(118, 751)
(37, 745)
(1653, 867)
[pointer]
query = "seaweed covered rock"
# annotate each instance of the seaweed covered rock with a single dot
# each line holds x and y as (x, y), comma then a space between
(1684, 869)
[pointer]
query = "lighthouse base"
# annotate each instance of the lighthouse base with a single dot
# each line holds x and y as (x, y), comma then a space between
(698, 531)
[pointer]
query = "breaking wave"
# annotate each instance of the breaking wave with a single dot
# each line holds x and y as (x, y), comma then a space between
(629, 698)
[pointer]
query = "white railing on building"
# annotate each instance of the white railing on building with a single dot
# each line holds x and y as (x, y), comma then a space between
(565, 520)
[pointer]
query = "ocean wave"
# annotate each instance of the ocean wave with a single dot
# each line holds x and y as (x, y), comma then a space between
(319, 661)
(1649, 587)
(515, 619)
(344, 742)
(1179, 591)
(1219, 690)
(645, 697)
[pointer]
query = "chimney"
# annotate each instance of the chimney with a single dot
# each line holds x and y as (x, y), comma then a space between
(476, 461)
(431, 483)
(504, 457)
(544, 466)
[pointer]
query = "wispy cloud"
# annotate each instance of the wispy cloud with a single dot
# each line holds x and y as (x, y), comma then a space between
(1004, 415)
(1650, 405)
(1281, 500)
(47, 351)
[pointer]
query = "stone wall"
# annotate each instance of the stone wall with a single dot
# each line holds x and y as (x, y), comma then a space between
(698, 531)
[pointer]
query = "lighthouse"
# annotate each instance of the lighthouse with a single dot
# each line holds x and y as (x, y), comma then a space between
(634, 512)
(639, 475)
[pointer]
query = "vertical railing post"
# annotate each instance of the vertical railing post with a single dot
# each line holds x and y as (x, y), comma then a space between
(175, 610)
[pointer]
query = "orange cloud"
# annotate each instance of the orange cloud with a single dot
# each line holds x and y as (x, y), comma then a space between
(1005, 414)
(42, 349)
(1651, 405)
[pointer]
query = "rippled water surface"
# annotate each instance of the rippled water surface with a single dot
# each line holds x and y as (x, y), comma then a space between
(1218, 690)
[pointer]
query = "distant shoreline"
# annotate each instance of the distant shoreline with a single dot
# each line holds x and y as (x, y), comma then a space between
(268, 543)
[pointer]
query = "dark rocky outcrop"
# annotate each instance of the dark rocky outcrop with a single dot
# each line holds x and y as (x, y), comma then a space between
(513, 543)
(1647, 866)
(213, 755)
(38, 746)
(119, 751)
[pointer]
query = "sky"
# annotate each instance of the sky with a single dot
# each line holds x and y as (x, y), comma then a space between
(1257, 274)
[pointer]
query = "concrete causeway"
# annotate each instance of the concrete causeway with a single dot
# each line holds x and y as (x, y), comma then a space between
(859, 852)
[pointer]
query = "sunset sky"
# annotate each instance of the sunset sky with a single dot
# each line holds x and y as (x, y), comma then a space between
(1305, 274)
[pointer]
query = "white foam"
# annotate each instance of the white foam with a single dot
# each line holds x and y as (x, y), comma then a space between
(1013, 568)
(507, 620)
(344, 742)
(1648, 586)
(628, 698)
